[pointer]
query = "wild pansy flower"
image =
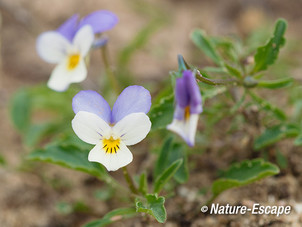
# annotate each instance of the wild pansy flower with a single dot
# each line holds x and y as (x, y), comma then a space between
(188, 107)
(68, 46)
(111, 131)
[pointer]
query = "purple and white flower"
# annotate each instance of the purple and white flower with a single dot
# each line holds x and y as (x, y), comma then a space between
(111, 131)
(68, 46)
(188, 107)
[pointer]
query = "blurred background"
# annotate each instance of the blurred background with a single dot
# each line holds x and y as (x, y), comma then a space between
(165, 27)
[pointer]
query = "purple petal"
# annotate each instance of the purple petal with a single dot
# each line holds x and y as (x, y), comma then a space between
(100, 21)
(99, 42)
(193, 91)
(133, 99)
(181, 93)
(69, 27)
(179, 113)
(196, 109)
(93, 102)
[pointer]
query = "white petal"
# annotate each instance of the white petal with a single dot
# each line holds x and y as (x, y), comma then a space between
(113, 161)
(186, 129)
(133, 128)
(83, 39)
(89, 127)
(79, 73)
(61, 77)
(52, 47)
(59, 80)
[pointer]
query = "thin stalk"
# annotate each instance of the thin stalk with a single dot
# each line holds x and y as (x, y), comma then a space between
(215, 82)
(112, 79)
(129, 181)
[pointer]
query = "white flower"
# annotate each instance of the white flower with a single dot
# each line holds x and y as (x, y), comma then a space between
(111, 141)
(69, 56)
(111, 131)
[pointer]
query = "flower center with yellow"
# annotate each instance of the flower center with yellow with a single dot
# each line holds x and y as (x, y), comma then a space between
(187, 113)
(73, 61)
(111, 146)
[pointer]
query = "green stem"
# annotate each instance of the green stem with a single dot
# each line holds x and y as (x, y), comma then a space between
(130, 181)
(215, 82)
(109, 72)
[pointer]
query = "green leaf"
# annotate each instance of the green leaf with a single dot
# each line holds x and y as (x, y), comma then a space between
(281, 159)
(211, 92)
(21, 110)
(161, 163)
(35, 132)
(162, 179)
(267, 55)
(47, 99)
(105, 193)
(200, 39)
(2, 160)
(179, 152)
(182, 65)
(143, 184)
(218, 70)
(54, 106)
(263, 104)
(64, 208)
(298, 140)
(292, 130)
(112, 216)
(153, 206)
(229, 47)
(270, 136)
(71, 157)
(233, 71)
(81, 206)
(69, 138)
(238, 104)
(162, 114)
(169, 153)
(275, 134)
(274, 84)
(243, 173)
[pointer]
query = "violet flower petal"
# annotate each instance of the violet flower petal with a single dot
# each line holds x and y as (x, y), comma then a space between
(69, 27)
(91, 101)
(133, 99)
(179, 112)
(100, 21)
(181, 93)
(193, 91)
(97, 43)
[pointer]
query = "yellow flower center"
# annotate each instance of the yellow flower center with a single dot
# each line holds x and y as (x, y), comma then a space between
(187, 113)
(111, 146)
(73, 61)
